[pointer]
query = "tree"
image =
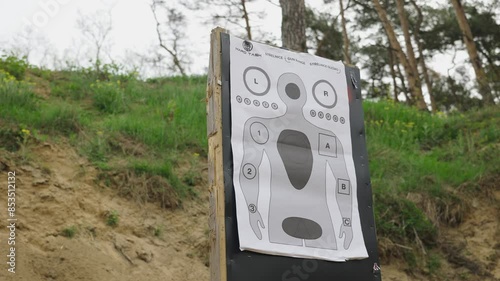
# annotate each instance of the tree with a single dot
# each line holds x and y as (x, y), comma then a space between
(347, 55)
(97, 28)
(293, 25)
(482, 80)
(411, 74)
(421, 60)
(379, 56)
(442, 32)
(323, 36)
(345, 38)
(412, 61)
(171, 37)
(235, 12)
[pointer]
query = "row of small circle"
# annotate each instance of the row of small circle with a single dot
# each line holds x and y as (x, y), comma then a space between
(265, 104)
(328, 116)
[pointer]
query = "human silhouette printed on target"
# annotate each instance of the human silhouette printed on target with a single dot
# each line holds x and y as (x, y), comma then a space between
(299, 154)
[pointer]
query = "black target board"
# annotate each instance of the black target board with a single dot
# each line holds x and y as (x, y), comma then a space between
(296, 185)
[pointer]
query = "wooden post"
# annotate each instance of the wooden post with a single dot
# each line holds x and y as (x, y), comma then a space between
(215, 164)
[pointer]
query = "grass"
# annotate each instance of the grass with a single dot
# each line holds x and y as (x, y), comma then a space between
(112, 218)
(69, 231)
(104, 115)
(158, 230)
(422, 165)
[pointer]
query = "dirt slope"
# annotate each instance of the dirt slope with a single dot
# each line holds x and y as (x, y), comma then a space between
(57, 189)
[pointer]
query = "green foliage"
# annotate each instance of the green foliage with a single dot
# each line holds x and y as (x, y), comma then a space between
(416, 157)
(10, 139)
(158, 230)
(15, 95)
(14, 66)
(69, 232)
(97, 149)
(169, 114)
(20, 106)
(163, 169)
(71, 84)
(401, 220)
(193, 177)
(433, 263)
(400, 126)
(60, 117)
(108, 97)
(112, 218)
(376, 67)
(323, 31)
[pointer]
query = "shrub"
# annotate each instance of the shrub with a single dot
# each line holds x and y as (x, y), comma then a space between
(15, 94)
(108, 97)
(13, 65)
(113, 218)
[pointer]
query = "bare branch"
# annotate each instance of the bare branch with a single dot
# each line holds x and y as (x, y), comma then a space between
(175, 23)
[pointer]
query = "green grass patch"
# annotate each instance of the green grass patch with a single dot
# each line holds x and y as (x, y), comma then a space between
(112, 218)
(108, 96)
(69, 231)
(15, 95)
(165, 170)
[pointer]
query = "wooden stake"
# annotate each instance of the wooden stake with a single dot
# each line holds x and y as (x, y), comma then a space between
(215, 165)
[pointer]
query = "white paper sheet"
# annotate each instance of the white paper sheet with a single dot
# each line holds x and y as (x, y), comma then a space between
(294, 176)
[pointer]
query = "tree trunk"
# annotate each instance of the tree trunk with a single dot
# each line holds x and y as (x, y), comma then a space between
(293, 25)
(416, 35)
(247, 20)
(403, 83)
(482, 80)
(347, 56)
(412, 77)
(410, 53)
(393, 73)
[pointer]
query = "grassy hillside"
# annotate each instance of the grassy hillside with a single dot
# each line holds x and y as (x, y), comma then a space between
(148, 140)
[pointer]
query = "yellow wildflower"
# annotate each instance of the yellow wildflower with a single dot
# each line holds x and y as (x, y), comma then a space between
(26, 132)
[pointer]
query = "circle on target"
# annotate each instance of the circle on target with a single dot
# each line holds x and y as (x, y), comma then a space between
(254, 72)
(324, 94)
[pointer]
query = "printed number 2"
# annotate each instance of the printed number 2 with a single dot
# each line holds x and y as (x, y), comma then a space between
(248, 171)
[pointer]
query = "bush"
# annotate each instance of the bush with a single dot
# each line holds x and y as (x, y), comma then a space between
(13, 65)
(112, 218)
(15, 94)
(108, 97)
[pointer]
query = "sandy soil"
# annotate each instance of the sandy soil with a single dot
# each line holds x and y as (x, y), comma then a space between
(57, 189)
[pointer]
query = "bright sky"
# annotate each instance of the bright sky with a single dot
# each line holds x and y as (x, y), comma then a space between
(133, 27)
(133, 24)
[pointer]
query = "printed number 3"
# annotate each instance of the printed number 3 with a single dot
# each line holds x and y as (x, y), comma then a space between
(252, 208)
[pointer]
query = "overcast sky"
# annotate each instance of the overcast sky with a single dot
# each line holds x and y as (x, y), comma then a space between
(133, 27)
